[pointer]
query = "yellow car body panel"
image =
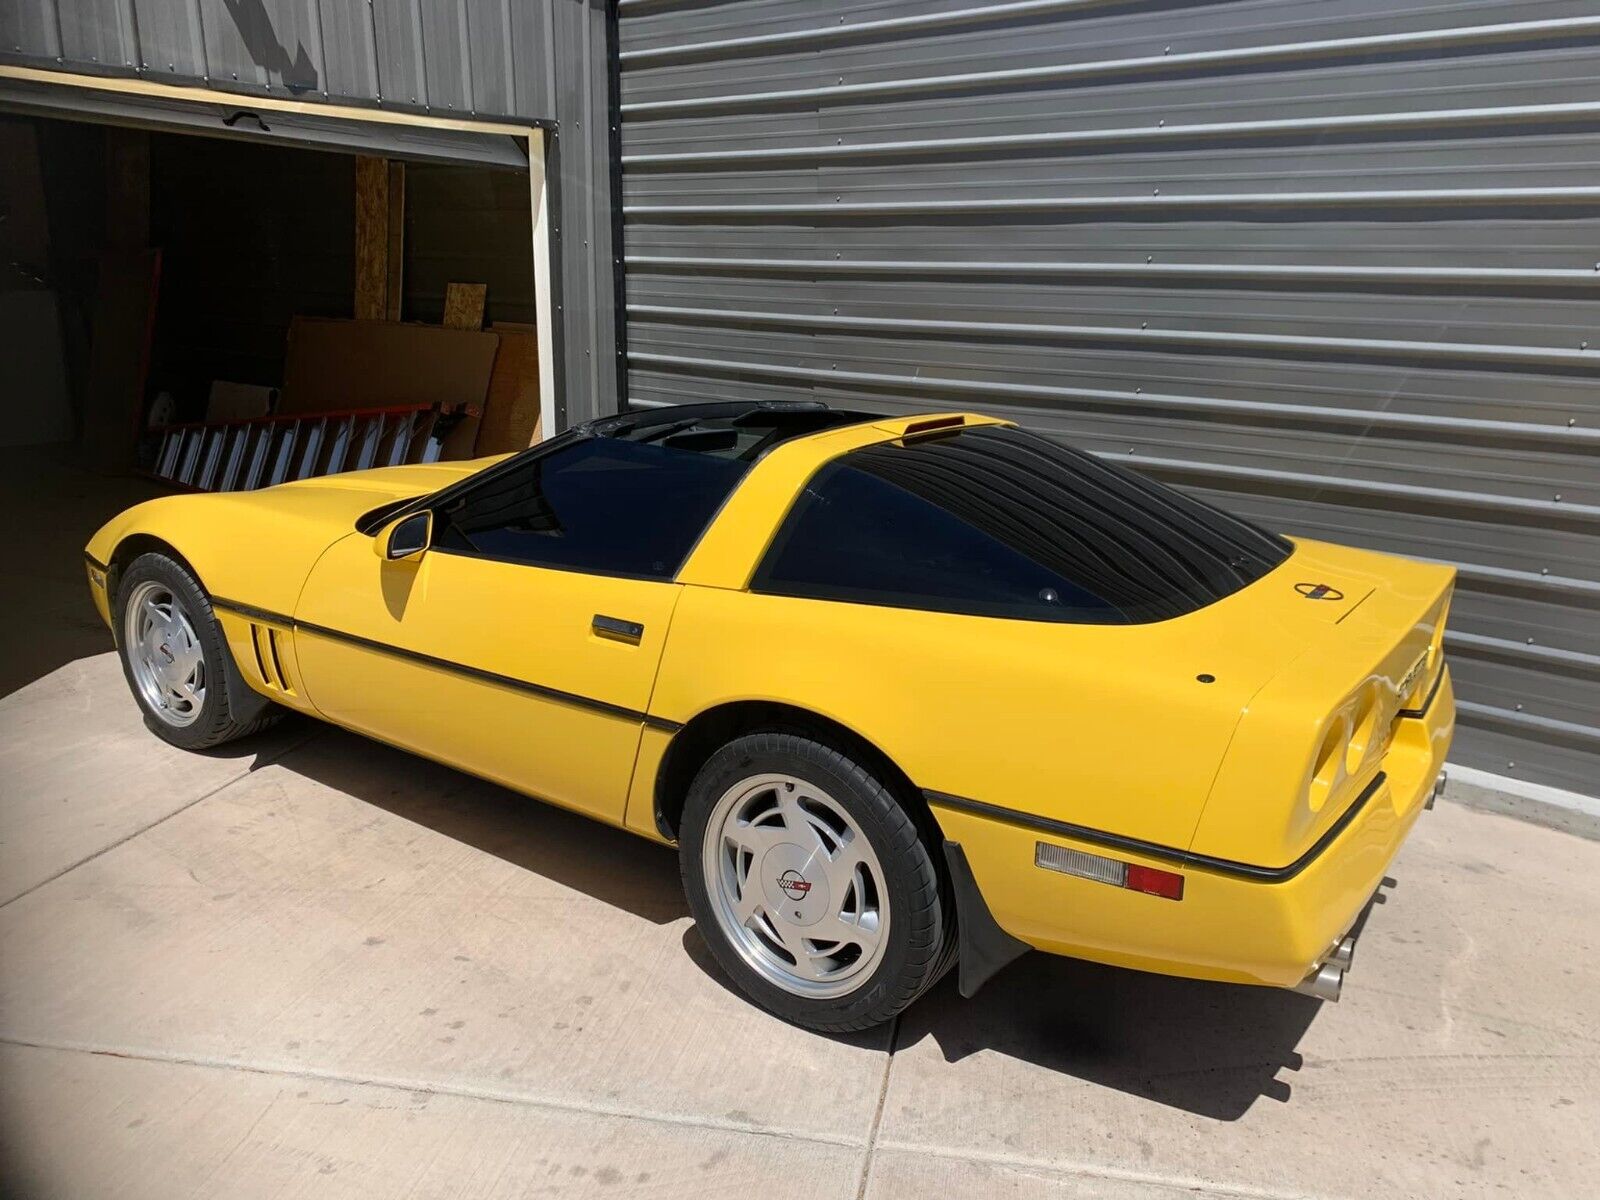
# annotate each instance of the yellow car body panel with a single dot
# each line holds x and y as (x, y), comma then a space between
(503, 622)
(1227, 928)
(1194, 744)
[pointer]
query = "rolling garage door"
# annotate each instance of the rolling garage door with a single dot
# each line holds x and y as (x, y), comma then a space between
(1333, 263)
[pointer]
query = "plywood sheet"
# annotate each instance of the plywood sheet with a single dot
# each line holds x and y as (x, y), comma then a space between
(231, 401)
(372, 239)
(395, 279)
(333, 364)
(463, 305)
(511, 409)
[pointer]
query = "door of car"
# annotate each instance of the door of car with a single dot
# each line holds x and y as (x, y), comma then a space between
(522, 644)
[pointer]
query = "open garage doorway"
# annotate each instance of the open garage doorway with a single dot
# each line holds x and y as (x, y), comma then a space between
(303, 294)
(229, 299)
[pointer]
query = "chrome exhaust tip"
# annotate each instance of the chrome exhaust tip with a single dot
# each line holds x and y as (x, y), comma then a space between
(1325, 983)
(1438, 788)
(1343, 954)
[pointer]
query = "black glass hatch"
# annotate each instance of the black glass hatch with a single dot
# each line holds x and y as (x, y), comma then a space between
(996, 521)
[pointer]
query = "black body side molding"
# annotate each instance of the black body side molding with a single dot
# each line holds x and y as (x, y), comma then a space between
(984, 948)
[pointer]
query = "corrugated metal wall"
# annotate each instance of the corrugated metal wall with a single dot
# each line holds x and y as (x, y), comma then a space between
(530, 59)
(1335, 263)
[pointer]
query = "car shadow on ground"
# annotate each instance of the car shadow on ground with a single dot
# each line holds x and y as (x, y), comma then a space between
(613, 867)
(1208, 1049)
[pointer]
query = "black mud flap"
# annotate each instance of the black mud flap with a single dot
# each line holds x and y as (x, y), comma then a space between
(245, 704)
(984, 947)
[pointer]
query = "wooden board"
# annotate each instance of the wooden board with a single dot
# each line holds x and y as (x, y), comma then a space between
(372, 239)
(463, 305)
(395, 283)
(511, 408)
(231, 401)
(333, 364)
(461, 442)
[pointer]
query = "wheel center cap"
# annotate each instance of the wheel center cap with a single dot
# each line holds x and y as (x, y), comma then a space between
(794, 885)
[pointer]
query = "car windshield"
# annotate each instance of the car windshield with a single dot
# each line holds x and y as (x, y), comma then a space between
(996, 521)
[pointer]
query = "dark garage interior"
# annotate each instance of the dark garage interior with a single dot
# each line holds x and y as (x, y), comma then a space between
(177, 266)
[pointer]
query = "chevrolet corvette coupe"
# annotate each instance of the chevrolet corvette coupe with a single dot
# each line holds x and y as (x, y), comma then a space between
(906, 693)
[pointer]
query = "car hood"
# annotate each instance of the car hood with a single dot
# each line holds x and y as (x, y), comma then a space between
(348, 495)
(257, 548)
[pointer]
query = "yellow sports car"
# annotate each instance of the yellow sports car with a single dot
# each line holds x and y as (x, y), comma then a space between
(906, 692)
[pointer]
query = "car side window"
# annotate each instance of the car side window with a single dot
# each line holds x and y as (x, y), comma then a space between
(998, 522)
(601, 505)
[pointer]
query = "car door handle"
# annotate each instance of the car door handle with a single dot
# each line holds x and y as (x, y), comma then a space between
(617, 629)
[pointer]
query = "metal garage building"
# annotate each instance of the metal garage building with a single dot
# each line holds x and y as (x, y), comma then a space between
(1333, 262)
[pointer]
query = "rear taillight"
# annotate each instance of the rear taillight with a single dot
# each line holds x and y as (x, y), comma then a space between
(1152, 881)
(1365, 733)
(1328, 771)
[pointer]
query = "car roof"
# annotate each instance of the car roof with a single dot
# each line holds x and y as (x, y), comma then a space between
(730, 547)
(807, 417)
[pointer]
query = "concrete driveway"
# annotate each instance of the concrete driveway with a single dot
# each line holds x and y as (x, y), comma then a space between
(310, 965)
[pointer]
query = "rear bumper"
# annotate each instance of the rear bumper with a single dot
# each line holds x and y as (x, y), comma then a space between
(1271, 929)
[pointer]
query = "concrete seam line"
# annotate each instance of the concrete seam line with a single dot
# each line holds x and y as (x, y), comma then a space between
(1524, 789)
(419, 1088)
(877, 1113)
(143, 829)
(1091, 1171)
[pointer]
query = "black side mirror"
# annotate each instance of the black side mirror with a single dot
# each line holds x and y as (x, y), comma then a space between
(405, 538)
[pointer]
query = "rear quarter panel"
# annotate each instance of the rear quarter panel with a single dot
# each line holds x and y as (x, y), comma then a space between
(1261, 809)
(1097, 725)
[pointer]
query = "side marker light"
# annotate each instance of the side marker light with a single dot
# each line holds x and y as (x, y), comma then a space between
(1152, 881)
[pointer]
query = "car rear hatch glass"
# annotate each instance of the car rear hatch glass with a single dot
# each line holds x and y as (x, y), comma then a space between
(995, 521)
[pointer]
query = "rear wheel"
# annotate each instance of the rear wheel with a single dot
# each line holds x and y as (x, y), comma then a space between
(174, 657)
(811, 883)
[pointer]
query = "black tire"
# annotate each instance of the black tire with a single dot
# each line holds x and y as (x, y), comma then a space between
(214, 723)
(921, 928)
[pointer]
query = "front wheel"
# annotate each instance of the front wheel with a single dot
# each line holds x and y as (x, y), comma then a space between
(812, 885)
(174, 657)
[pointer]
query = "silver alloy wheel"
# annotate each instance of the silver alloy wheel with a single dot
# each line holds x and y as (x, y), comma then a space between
(164, 653)
(796, 886)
